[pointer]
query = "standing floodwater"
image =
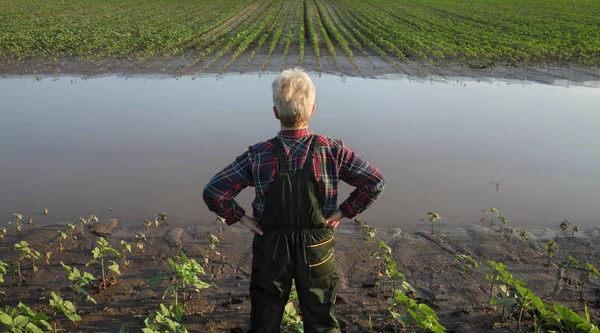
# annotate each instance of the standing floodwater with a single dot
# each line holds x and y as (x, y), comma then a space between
(144, 146)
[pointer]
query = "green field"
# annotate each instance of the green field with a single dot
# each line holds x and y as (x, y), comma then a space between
(210, 33)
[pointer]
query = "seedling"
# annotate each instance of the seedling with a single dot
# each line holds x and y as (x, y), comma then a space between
(78, 281)
(369, 232)
(551, 248)
(575, 229)
(47, 256)
(2, 233)
(45, 211)
(24, 320)
(91, 218)
(591, 272)
(3, 270)
(418, 317)
(30, 221)
(468, 262)
(163, 216)
(70, 229)
(185, 272)
(292, 320)
(503, 220)
(148, 224)
(493, 211)
(25, 252)
(101, 253)
(165, 320)
(564, 225)
(504, 279)
(17, 218)
(125, 247)
(65, 307)
(432, 218)
(213, 242)
(524, 238)
(139, 237)
(220, 222)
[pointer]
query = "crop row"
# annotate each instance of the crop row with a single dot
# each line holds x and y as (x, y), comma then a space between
(476, 33)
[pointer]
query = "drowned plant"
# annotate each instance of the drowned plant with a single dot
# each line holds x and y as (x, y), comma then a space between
(185, 275)
(101, 254)
(25, 253)
(17, 218)
(564, 225)
(125, 247)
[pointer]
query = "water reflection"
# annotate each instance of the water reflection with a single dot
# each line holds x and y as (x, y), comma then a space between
(144, 146)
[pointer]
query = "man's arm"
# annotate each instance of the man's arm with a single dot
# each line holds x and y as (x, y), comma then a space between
(367, 179)
(220, 192)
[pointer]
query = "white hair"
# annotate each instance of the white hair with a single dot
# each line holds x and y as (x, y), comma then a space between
(293, 97)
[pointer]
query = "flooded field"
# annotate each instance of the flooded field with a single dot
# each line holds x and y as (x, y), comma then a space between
(142, 146)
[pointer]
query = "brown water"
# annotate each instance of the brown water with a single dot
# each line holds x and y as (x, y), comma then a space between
(143, 146)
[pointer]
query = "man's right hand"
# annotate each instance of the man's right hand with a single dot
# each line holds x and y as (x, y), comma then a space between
(251, 224)
(334, 220)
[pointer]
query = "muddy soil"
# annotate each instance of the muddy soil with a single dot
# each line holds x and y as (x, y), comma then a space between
(368, 66)
(428, 260)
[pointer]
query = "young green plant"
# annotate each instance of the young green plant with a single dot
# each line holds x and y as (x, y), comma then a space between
(78, 282)
(551, 248)
(65, 307)
(591, 272)
(101, 254)
(432, 218)
(25, 252)
(185, 274)
(23, 320)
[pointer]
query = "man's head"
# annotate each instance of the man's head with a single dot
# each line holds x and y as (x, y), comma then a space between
(293, 98)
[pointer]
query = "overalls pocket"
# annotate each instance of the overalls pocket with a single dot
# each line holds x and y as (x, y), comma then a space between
(321, 258)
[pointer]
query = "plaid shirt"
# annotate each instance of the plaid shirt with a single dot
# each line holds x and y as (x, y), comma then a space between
(257, 167)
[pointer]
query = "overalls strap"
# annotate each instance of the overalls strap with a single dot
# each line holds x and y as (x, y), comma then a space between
(279, 153)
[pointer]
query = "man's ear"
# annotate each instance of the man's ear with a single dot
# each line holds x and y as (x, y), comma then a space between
(313, 110)
(276, 113)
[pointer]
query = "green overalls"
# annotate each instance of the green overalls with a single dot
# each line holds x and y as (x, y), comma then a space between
(297, 244)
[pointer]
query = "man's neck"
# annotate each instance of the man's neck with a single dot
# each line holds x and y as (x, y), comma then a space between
(283, 128)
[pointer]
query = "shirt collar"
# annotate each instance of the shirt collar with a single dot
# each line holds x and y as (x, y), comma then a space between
(295, 133)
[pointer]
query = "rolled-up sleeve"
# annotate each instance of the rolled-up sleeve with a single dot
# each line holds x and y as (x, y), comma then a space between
(365, 177)
(220, 192)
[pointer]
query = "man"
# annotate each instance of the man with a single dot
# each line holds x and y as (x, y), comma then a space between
(295, 176)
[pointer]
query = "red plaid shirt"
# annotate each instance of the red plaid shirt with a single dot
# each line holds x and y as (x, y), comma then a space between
(257, 167)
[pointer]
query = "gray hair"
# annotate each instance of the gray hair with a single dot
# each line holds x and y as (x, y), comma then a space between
(293, 97)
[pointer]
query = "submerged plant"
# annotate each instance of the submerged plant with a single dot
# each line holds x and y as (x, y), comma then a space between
(551, 248)
(17, 218)
(25, 252)
(432, 218)
(70, 229)
(163, 216)
(101, 254)
(45, 211)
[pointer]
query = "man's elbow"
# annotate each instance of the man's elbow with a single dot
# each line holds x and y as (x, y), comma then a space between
(379, 186)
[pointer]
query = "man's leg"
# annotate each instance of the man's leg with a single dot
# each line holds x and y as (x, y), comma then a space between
(316, 287)
(270, 284)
